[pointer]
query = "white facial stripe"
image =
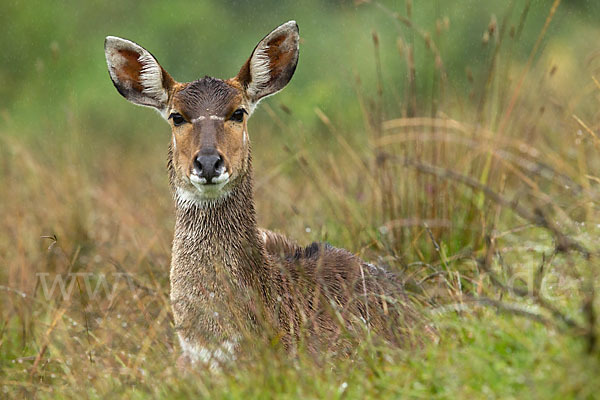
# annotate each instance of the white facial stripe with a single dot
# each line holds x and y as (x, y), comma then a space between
(212, 117)
(174, 143)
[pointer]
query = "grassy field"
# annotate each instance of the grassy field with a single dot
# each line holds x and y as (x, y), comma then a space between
(455, 145)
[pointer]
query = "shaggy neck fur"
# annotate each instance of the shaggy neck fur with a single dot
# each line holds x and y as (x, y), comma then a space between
(225, 227)
(219, 267)
(227, 224)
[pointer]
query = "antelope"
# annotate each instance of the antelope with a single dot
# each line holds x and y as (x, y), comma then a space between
(227, 275)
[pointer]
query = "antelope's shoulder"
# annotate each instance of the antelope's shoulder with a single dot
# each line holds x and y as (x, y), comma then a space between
(277, 245)
(318, 258)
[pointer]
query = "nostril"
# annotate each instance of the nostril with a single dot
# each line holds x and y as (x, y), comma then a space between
(219, 164)
(208, 166)
(198, 166)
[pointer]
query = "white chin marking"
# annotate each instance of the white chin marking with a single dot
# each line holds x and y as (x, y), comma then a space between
(203, 194)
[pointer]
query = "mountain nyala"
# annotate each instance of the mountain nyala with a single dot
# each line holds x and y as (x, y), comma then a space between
(230, 279)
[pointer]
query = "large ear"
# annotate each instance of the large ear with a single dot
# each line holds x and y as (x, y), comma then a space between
(272, 63)
(136, 74)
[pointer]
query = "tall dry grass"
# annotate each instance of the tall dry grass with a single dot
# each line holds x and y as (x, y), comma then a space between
(485, 200)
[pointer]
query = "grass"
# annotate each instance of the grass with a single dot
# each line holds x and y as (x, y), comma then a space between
(485, 199)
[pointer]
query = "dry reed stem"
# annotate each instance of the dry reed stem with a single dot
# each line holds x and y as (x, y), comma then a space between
(532, 54)
(564, 242)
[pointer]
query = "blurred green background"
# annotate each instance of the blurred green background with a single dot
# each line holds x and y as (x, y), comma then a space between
(54, 77)
(83, 188)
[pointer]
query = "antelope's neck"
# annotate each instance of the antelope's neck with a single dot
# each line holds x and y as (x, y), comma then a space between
(220, 234)
(218, 267)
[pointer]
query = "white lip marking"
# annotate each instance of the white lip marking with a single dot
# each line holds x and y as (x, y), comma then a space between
(210, 191)
(195, 179)
(224, 177)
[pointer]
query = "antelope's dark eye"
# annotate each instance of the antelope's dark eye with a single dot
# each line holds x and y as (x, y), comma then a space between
(177, 119)
(238, 115)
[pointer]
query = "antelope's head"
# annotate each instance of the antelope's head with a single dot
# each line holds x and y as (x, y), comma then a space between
(210, 150)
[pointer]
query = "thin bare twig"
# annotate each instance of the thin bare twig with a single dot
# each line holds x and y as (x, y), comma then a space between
(535, 296)
(564, 243)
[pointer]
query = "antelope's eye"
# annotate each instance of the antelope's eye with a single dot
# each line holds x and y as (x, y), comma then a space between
(177, 119)
(238, 115)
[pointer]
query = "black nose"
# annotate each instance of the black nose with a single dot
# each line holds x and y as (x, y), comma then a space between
(208, 166)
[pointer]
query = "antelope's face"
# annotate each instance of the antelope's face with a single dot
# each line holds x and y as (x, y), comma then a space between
(210, 148)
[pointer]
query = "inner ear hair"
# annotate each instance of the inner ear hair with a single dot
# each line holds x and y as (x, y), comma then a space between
(272, 63)
(136, 74)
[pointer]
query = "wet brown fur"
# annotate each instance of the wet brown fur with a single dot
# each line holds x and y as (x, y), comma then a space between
(229, 277)
(257, 276)
(204, 98)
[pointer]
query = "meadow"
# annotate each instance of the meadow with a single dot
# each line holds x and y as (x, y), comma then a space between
(455, 143)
